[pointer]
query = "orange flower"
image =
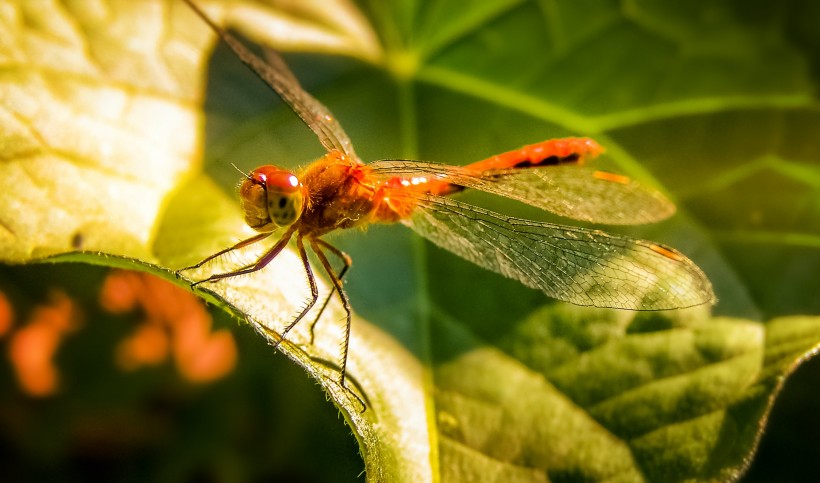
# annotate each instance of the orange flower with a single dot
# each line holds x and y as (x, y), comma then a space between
(174, 321)
(32, 347)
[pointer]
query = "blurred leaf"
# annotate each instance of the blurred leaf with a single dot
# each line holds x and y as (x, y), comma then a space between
(99, 124)
(467, 375)
(329, 26)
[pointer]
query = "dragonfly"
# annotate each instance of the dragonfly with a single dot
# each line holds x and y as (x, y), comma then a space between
(338, 191)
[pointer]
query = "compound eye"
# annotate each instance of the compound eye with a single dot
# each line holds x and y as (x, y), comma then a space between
(270, 198)
(284, 208)
(284, 194)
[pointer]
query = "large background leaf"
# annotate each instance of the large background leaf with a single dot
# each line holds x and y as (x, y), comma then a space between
(716, 103)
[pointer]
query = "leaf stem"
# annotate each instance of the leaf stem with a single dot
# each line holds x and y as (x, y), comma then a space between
(408, 119)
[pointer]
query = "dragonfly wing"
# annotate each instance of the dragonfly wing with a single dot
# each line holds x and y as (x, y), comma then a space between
(276, 74)
(577, 192)
(312, 112)
(583, 193)
(576, 265)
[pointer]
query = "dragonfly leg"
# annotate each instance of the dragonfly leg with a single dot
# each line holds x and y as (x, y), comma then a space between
(347, 262)
(317, 246)
(241, 244)
(261, 263)
(314, 292)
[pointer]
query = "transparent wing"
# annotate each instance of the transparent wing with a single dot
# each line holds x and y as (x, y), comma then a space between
(577, 192)
(276, 74)
(576, 265)
(584, 193)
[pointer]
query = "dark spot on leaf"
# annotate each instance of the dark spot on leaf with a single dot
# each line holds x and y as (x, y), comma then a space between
(77, 241)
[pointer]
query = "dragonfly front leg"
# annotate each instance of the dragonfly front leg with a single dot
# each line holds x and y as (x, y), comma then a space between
(241, 244)
(261, 263)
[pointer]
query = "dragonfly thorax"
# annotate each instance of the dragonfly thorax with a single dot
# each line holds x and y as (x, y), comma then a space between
(271, 198)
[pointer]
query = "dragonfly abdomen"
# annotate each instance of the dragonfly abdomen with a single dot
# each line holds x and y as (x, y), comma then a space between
(552, 152)
(546, 153)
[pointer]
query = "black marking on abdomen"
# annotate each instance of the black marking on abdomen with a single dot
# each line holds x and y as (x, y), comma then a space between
(548, 161)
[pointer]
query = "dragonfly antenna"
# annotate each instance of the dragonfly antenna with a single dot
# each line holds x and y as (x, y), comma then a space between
(246, 175)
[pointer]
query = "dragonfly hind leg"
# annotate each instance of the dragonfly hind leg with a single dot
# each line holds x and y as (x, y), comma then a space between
(317, 246)
(314, 292)
(347, 263)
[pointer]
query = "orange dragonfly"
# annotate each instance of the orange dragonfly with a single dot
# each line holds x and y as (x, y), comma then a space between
(576, 265)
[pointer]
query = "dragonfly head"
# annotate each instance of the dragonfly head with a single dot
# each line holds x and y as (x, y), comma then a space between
(271, 198)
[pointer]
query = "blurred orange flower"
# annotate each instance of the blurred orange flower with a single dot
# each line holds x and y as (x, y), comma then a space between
(6, 315)
(175, 322)
(32, 347)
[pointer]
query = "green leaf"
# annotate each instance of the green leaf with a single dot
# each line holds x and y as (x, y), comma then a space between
(466, 375)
